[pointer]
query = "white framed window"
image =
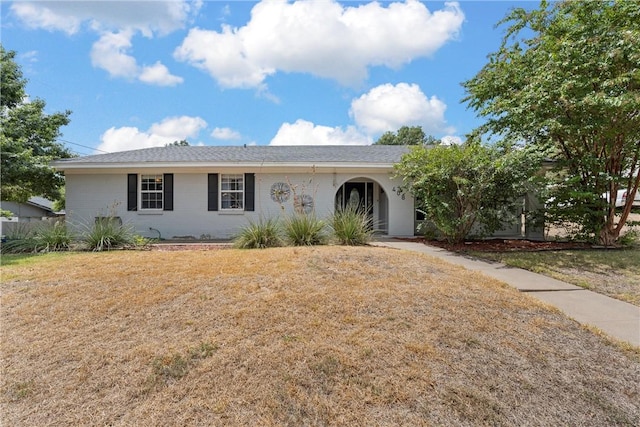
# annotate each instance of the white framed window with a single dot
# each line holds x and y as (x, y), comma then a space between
(232, 191)
(151, 192)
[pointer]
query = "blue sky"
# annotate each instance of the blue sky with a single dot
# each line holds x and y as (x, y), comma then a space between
(147, 73)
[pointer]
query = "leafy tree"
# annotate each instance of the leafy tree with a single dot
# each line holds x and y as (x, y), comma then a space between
(462, 186)
(407, 136)
(567, 78)
(60, 203)
(13, 84)
(181, 143)
(27, 139)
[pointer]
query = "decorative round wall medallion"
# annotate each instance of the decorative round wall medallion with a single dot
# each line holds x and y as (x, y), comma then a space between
(303, 203)
(280, 192)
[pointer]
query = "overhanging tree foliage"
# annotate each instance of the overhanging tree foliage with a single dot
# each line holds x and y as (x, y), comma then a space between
(27, 139)
(181, 143)
(406, 135)
(571, 84)
(462, 186)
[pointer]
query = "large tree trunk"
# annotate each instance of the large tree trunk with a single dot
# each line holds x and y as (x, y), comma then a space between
(611, 230)
(608, 235)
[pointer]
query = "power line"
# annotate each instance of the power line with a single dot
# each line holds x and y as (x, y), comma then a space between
(78, 153)
(83, 146)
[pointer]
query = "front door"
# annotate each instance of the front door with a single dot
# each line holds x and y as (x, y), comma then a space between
(358, 195)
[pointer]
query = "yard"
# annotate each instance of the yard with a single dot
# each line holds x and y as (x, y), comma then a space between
(612, 272)
(294, 336)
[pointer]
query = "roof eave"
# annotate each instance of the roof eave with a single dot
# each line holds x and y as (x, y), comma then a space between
(62, 166)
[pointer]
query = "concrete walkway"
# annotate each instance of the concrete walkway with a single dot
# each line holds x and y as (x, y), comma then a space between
(616, 318)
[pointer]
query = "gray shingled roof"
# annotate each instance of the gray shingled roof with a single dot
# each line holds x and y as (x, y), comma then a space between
(368, 154)
(41, 202)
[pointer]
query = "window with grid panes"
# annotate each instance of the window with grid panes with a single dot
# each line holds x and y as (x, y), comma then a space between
(232, 191)
(151, 191)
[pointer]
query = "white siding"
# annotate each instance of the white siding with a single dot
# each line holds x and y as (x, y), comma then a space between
(89, 195)
(25, 212)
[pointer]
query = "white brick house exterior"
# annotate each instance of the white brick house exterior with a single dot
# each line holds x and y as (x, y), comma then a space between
(211, 192)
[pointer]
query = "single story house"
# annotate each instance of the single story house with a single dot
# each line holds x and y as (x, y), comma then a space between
(34, 210)
(212, 192)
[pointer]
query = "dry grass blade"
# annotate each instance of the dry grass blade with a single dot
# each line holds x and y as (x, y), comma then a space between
(294, 336)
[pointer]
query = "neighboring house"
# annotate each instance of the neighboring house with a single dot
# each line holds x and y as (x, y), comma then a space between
(212, 192)
(34, 209)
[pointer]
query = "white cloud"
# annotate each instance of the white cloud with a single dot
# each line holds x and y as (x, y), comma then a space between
(226, 134)
(223, 56)
(147, 17)
(303, 132)
(116, 24)
(28, 59)
(384, 108)
(159, 134)
(451, 140)
(388, 107)
(225, 12)
(110, 53)
(181, 127)
(159, 75)
(29, 56)
(36, 15)
(322, 38)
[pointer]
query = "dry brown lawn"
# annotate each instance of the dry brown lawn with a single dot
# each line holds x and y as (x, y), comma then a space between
(294, 336)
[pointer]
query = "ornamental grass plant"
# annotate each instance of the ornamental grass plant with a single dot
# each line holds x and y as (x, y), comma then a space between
(44, 236)
(351, 226)
(51, 237)
(107, 233)
(302, 229)
(259, 235)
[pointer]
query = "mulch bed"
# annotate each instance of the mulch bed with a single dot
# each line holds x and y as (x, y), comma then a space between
(505, 245)
(488, 245)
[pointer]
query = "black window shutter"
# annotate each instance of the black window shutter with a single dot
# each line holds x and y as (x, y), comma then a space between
(249, 191)
(212, 192)
(132, 192)
(167, 186)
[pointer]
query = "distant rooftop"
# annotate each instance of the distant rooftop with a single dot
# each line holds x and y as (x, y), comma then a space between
(41, 202)
(365, 154)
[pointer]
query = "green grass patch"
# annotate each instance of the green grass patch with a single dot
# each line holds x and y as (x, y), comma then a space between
(173, 367)
(612, 272)
(623, 260)
(25, 259)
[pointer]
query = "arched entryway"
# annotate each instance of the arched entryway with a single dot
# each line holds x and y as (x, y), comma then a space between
(369, 195)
